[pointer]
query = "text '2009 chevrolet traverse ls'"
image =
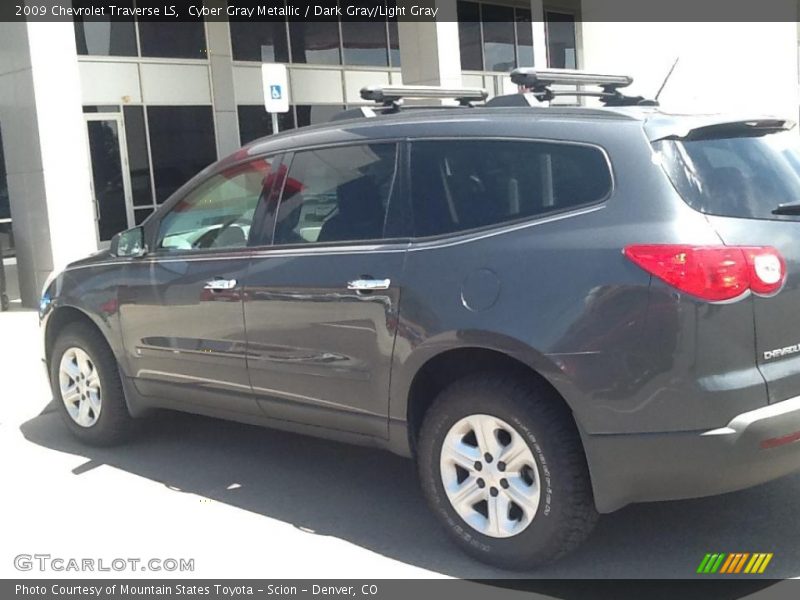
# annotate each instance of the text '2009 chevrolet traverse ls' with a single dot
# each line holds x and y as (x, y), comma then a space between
(555, 311)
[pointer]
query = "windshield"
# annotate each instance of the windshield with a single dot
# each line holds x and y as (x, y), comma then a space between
(746, 176)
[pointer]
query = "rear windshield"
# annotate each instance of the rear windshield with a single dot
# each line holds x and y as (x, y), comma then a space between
(745, 176)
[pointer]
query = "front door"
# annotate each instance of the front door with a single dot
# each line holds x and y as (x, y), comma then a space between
(322, 304)
(181, 305)
(111, 186)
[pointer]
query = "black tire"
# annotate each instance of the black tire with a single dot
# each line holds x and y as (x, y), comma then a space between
(4, 304)
(566, 514)
(114, 424)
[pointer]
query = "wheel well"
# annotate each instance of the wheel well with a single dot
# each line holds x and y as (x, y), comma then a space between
(447, 367)
(60, 318)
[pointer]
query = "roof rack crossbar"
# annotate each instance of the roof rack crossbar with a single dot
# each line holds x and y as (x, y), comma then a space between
(394, 95)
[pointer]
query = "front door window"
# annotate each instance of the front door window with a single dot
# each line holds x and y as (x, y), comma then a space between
(218, 213)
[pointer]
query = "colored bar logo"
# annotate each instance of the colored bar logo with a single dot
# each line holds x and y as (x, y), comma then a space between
(734, 563)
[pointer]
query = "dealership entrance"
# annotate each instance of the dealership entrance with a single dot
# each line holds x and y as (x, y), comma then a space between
(110, 176)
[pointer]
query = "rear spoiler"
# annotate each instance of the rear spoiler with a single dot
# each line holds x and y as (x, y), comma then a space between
(669, 127)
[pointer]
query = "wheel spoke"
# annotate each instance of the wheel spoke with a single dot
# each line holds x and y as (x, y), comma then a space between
(93, 381)
(93, 398)
(83, 412)
(499, 523)
(484, 428)
(71, 395)
(523, 495)
(84, 364)
(459, 453)
(72, 370)
(466, 495)
(515, 453)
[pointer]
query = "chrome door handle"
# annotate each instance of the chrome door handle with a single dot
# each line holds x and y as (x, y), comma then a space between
(219, 285)
(368, 285)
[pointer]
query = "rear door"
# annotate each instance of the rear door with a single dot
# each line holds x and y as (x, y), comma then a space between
(323, 300)
(739, 175)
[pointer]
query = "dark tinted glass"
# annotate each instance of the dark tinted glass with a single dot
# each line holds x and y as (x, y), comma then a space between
(182, 142)
(138, 157)
(394, 43)
(469, 36)
(140, 214)
(498, 38)
(5, 203)
(364, 43)
(107, 178)
(259, 41)
(460, 185)
(315, 42)
(173, 40)
(255, 122)
(336, 195)
(310, 114)
(735, 176)
(101, 108)
(561, 41)
(524, 38)
(101, 37)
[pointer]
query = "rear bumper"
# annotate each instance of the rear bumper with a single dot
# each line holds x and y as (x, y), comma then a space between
(755, 447)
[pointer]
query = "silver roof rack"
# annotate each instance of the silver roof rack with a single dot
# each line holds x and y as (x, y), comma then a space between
(394, 95)
(540, 82)
(532, 78)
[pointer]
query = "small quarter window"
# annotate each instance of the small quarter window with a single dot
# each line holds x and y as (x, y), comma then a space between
(219, 212)
(467, 184)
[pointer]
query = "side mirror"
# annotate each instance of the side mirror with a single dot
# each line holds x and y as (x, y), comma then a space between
(129, 243)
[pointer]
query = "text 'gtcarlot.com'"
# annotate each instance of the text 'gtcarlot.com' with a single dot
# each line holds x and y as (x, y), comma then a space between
(47, 562)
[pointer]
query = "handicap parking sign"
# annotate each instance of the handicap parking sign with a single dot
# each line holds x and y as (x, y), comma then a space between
(275, 84)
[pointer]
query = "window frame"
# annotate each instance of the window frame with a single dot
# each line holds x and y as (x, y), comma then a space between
(514, 223)
(153, 224)
(397, 207)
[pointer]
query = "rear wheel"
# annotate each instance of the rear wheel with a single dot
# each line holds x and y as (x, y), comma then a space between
(86, 385)
(501, 464)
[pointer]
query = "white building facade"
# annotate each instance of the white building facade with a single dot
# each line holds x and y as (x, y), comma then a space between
(100, 122)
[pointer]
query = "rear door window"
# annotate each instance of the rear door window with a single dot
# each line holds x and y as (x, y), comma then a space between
(735, 175)
(469, 184)
(336, 195)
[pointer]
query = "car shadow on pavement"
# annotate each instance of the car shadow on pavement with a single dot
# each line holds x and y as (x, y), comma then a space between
(370, 498)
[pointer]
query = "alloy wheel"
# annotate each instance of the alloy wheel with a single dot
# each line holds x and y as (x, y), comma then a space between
(490, 476)
(80, 387)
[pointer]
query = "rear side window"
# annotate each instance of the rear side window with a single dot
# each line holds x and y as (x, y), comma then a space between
(336, 195)
(745, 176)
(467, 184)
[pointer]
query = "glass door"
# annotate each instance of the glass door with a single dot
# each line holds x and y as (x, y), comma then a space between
(111, 186)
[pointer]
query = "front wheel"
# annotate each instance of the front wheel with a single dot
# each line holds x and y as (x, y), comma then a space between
(86, 385)
(501, 464)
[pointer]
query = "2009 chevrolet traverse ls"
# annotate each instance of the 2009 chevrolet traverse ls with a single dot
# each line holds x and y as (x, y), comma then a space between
(555, 311)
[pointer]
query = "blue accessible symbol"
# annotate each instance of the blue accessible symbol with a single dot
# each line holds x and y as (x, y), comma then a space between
(275, 92)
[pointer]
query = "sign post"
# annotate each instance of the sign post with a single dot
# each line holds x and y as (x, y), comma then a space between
(275, 84)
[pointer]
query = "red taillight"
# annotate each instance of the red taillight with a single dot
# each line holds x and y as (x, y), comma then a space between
(713, 273)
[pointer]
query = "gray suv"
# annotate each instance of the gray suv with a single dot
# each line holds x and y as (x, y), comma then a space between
(556, 311)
